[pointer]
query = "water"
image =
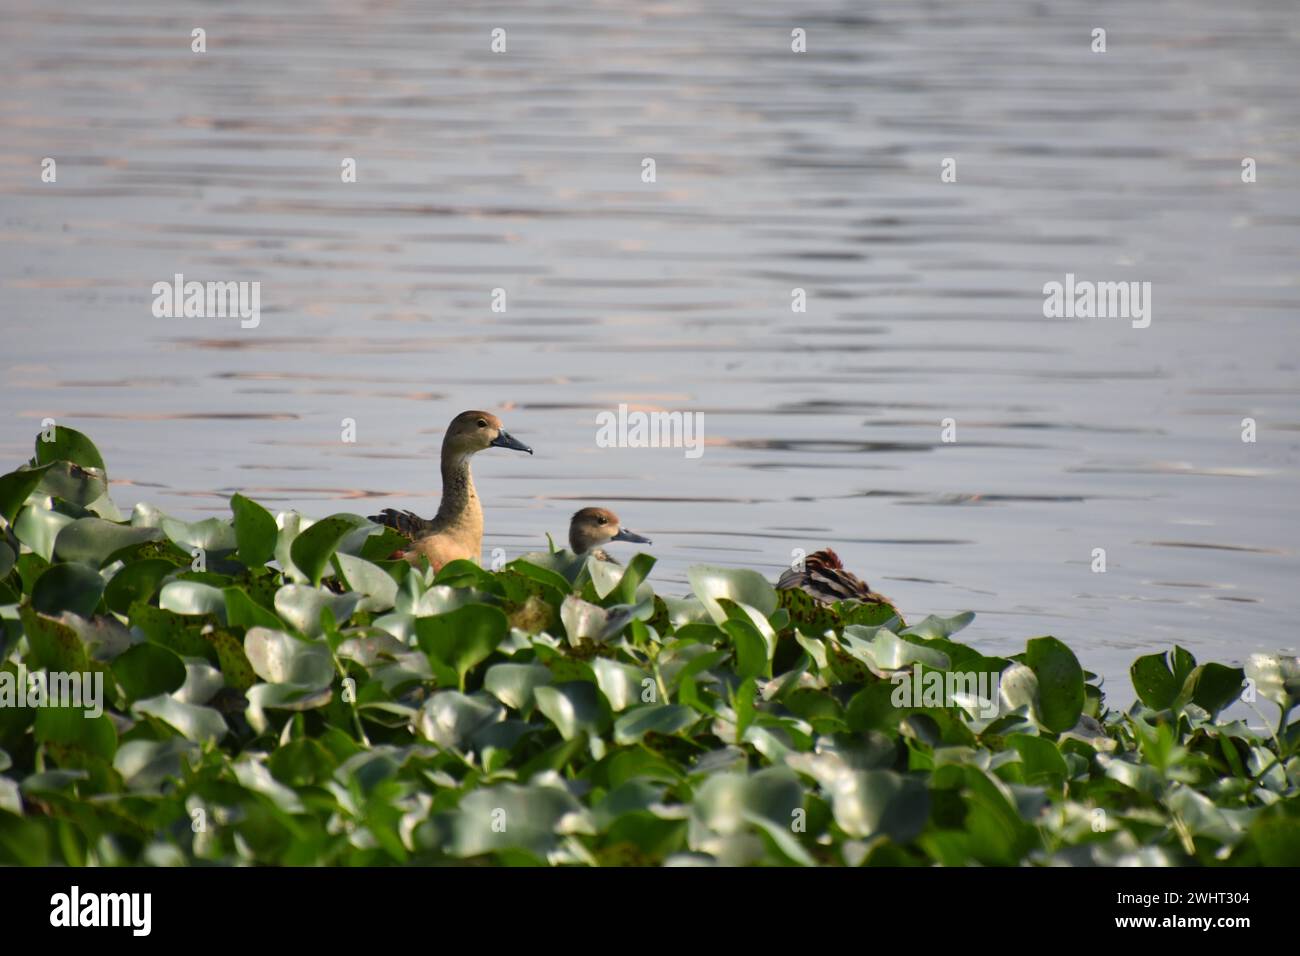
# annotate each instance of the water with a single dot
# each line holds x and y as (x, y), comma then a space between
(774, 171)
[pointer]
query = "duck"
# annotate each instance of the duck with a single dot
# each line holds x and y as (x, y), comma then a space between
(456, 531)
(824, 577)
(592, 527)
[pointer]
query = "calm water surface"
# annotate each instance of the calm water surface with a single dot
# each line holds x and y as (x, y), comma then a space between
(522, 171)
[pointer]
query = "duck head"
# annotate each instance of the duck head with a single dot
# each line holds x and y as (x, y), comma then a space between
(593, 527)
(473, 431)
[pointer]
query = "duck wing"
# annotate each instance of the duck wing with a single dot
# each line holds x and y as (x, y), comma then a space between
(406, 523)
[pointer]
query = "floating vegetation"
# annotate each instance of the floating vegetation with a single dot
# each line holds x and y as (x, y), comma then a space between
(271, 689)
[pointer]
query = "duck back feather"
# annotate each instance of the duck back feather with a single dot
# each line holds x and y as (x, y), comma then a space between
(825, 578)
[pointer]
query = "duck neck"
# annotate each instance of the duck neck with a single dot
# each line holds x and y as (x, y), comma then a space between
(582, 541)
(460, 508)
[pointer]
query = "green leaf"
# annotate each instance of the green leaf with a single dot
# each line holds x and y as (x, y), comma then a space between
(888, 651)
(196, 723)
(605, 576)
(291, 697)
(868, 803)
(70, 729)
(313, 548)
(377, 585)
(1159, 678)
(382, 544)
(192, 597)
(743, 704)
(15, 488)
(243, 611)
(68, 445)
(934, 627)
(727, 803)
(751, 649)
(638, 569)
(138, 581)
(620, 683)
(170, 630)
(54, 645)
(1276, 678)
(300, 606)
(147, 670)
(208, 535)
(736, 584)
(653, 719)
(464, 573)
(1214, 686)
(148, 764)
(998, 835)
(463, 638)
(73, 483)
(68, 587)
(1276, 838)
(92, 540)
(1060, 683)
(1042, 764)
(513, 684)
(301, 763)
(451, 719)
(255, 531)
(280, 658)
(510, 817)
(38, 528)
(583, 620)
(235, 667)
(573, 707)
(545, 575)
(1202, 818)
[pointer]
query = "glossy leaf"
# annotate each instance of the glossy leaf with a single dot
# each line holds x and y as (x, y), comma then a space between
(462, 638)
(255, 531)
(68, 587)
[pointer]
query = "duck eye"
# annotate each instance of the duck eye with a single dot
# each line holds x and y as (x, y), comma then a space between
(482, 423)
(601, 521)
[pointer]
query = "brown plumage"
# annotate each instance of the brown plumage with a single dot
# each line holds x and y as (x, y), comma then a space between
(592, 527)
(823, 576)
(456, 531)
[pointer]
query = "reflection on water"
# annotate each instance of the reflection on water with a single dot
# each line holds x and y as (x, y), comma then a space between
(522, 172)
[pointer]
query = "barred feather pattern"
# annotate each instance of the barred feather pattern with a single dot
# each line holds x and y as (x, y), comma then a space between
(406, 523)
(823, 576)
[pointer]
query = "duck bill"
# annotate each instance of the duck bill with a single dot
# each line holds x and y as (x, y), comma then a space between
(505, 440)
(625, 535)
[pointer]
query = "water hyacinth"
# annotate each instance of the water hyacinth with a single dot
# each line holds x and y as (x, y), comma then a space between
(276, 690)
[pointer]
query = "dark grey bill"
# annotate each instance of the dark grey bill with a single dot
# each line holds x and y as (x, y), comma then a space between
(625, 535)
(505, 440)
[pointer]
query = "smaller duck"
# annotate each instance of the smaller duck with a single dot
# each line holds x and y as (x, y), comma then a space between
(824, 577)
(591, 528)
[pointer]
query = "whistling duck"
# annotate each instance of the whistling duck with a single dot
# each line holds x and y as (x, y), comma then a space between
(823, 576)
(456, 531)
(593, 527)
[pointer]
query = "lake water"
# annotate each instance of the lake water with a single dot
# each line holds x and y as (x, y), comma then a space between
(523, 171)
